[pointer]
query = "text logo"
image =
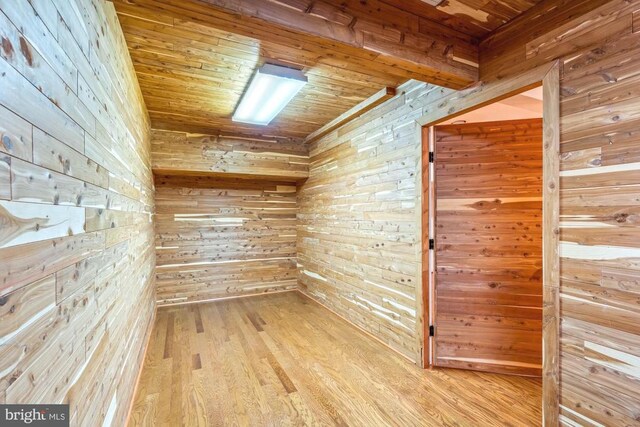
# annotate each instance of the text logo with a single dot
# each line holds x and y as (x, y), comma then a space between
(34, 415)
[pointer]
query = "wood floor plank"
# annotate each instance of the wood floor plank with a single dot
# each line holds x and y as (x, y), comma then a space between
(283, 359)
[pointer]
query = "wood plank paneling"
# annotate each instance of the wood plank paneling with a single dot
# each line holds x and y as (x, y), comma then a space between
(598, 51)
(179, 153)
(25, 304)
(473, 17)
(57, 156)
(358, 227)
(488, 288)
(76, 303)
(223, 237)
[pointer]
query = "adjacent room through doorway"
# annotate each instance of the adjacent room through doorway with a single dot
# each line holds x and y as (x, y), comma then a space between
(484, 228)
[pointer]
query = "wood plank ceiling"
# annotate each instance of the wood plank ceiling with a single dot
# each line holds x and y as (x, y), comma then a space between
(474, 17)
(194, 58)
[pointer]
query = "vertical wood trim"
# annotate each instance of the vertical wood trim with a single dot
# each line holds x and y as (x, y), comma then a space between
(431, 234)
(550, 248)
(421, 297)
(427, 222)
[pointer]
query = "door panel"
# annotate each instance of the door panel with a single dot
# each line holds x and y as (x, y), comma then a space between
(488, 287)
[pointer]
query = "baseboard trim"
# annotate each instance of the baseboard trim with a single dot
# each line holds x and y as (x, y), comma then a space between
(200, 301)
(369, 334)
(150, 327)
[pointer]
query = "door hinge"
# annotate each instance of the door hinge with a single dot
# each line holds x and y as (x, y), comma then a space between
(432, 244)
(431, 156)
(432, 331)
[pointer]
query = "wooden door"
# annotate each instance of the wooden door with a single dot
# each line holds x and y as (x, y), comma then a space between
(488, 285)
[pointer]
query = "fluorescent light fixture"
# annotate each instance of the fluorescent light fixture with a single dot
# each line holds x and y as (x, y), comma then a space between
(270, 90)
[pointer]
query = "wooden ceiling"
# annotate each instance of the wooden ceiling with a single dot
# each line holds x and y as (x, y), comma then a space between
(194, 58)
(474, 17)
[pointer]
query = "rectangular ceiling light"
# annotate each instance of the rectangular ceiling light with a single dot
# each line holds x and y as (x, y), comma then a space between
(268, 93)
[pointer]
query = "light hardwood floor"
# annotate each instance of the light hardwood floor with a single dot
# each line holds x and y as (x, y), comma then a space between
(283, 359)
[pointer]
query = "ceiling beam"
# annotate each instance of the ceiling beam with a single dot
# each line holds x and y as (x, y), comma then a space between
(444, 56)
(393, 39)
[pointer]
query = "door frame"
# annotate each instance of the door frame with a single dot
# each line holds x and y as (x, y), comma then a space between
(461, 102)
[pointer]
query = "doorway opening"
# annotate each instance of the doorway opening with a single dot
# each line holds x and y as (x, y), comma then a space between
(485, 237)
(448, 111)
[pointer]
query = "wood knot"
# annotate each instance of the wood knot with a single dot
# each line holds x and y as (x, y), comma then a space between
(608, 78)
(6, 141)
(621, 217)
(26, 51)
(7, 48)
(14, 377)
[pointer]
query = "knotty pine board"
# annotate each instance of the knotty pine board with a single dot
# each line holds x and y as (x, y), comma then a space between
(488, 285)
(228, 156)
(5, 177)
(223, 237)
(76, 240)
(31, 222)
(17, 135)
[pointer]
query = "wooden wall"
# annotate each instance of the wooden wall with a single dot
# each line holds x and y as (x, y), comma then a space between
(359, 219)
(229, 156)
(598, 44)
(488, 287)
(76, 198)
(350, 189)
(223, 237)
